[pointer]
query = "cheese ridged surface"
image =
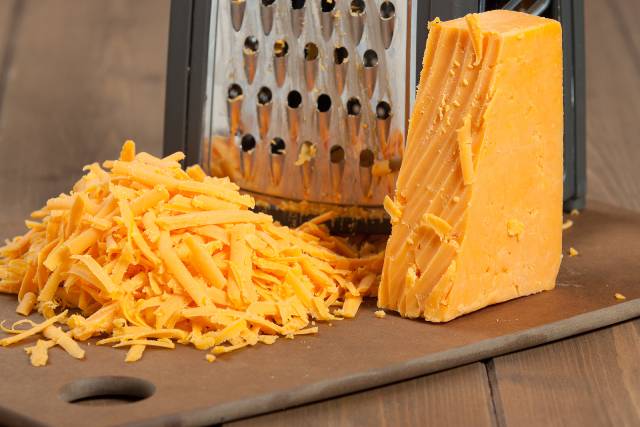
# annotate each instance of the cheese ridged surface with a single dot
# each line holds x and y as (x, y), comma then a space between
(484, 150)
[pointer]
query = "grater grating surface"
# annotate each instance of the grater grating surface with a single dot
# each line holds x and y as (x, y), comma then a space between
(307, 101)
(209, 59)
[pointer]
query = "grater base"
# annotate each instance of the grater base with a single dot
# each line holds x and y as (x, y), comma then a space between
(349, 220)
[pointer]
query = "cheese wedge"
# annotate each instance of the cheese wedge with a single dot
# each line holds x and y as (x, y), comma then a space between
(478, 205)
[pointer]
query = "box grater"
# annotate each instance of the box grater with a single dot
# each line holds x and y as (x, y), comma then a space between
(305, 103)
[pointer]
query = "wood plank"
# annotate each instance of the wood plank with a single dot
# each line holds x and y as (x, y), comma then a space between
(7, 16)
(613, 107)
(625, 13)
(588, 380)
(10, 17)
(84, 77)
(6, 8)
(459, 396)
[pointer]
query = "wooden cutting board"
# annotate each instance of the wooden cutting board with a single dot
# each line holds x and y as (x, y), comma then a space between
(348, 356)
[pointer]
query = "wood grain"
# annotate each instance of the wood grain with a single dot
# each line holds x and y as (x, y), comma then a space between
(10, 18)
(613, 104)
(85, 75)
(456, 397)
(588, 380)
(7, 8)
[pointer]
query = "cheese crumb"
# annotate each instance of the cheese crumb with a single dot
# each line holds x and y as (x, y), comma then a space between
(567, 224)
(575, 212)
(128, 152)
(26, 304)
(210, 358)
(411, 277)
(620, 297)
(380, 314)
(381, 168)
(515, 228)
(64, 340)
(307, 153)
(475, 33)
(573, 251)
(393, 209)
(38, 353)
(135, 353)
(463, 135)
(441, 227)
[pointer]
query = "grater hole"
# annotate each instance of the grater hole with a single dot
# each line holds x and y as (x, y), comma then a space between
(280, 48)
(267, 10)
(248, 143)
(237, 13)
(387, 10)
(234, 92)
(395, 163)
(264, 95)
(383, 110)
(251, 44)
(340, 55)
(311, 52)
(297, 4)
(323, 103)
(366, 158)
(370, 58)
(277, 146)
(336, 154)
(327, 5)
(294, 99)
(357, 7)
(354, 107)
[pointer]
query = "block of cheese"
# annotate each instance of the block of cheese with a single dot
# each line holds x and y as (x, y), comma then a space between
(477, 214)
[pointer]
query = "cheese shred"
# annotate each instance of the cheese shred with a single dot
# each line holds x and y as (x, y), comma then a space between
(150, 255)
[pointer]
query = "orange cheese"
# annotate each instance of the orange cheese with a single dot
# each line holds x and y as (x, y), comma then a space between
(477, 216)
(153, 255)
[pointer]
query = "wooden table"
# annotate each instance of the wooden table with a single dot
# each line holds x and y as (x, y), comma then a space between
(79, 76)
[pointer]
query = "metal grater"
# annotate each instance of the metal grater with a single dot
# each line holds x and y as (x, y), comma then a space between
(308, 102)
(305, 103)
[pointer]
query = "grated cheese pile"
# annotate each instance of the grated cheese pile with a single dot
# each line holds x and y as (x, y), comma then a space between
(147, 254)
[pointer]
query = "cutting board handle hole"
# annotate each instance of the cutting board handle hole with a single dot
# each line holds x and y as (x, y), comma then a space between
(106, 391)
